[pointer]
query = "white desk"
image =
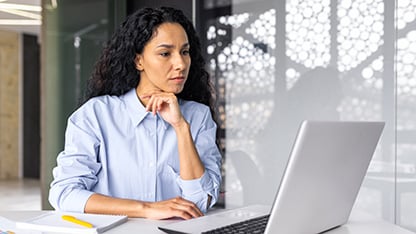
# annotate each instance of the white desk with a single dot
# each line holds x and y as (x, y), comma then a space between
(358, 224)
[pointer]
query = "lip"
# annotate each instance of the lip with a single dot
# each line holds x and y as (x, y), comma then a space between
(178, 78)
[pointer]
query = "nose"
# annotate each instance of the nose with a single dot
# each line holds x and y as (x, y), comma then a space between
(179, 62)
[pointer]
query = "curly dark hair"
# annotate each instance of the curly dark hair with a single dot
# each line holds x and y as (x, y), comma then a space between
(115, 72)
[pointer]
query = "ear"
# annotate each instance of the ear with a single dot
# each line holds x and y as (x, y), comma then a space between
(138, 62)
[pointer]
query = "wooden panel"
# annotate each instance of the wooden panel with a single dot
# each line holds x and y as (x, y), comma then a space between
(9, 105)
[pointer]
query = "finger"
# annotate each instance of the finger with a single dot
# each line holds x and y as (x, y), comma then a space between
(192, 208)
(197, 210)
(194, 211)
(189, 207)
(155, 105)
(145, 96)
(161, 103)
(149, 104)
(182, 214)
(186, 212)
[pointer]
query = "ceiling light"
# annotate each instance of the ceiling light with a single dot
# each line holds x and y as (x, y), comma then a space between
(22, 13)
(19, 22)
(23, 7)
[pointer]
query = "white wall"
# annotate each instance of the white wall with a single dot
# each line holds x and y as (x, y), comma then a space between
(321, 60)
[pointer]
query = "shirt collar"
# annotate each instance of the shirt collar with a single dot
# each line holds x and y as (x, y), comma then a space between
(136, 110)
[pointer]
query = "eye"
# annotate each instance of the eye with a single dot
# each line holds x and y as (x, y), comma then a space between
(185, 52)
(164, 54)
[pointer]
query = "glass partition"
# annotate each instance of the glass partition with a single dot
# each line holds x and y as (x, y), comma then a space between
(405, 77)
(73, 34)
(276, 63)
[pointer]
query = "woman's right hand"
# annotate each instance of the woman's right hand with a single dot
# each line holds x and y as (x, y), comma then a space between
(175, 207)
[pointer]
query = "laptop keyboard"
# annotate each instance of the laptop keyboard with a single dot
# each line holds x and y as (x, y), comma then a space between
(254, 225)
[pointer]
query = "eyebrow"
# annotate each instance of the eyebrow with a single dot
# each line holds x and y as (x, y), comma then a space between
(168, 46)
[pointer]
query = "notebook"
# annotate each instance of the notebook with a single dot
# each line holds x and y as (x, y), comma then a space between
(53, 222)
(324, 173)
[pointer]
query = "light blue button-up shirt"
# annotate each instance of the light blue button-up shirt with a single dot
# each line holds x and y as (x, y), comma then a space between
(114, 147)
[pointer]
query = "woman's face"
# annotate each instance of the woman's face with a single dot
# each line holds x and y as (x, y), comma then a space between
(165, 61)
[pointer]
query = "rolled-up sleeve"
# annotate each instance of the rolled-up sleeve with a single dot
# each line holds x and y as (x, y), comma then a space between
(76, 170)
(209, 183)
(198, 190)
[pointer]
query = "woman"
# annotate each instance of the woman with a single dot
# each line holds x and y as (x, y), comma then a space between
(143, 143)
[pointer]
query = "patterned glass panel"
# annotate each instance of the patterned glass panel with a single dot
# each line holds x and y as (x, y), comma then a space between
(276, 63)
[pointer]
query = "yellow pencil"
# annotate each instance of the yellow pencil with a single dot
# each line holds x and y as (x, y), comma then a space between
(72, 219)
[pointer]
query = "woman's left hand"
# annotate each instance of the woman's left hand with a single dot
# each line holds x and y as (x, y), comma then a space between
(166, 104)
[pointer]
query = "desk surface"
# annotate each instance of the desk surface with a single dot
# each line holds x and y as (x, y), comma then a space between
(359, 223)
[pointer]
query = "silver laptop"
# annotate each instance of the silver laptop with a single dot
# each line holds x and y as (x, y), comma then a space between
(323, 176)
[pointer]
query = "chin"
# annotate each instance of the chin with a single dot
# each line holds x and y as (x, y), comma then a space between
(177, 91)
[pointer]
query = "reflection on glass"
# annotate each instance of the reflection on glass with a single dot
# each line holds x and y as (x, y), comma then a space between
(332, 63)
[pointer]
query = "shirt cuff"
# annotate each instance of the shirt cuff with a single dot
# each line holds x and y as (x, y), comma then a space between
(196, 190)
(76, 201)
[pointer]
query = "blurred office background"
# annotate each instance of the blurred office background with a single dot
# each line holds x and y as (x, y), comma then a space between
(273, 63)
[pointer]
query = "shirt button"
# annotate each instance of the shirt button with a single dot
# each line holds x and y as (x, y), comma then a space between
(151, 164)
